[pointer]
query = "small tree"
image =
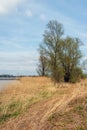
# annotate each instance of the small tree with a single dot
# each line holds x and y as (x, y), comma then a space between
(42, 65)
(69, 56)
(76, 75)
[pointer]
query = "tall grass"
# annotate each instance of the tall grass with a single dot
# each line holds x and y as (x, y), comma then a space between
(20, 95)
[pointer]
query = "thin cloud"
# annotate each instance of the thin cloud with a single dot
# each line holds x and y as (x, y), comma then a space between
(7, 5)
(19, 62)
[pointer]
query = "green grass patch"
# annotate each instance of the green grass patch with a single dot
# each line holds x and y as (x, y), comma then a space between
(7, 116)
(11, 110)
(80, 128)
(15, 108)
(46, 94)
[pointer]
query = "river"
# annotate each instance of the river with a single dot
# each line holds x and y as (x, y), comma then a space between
(4, 83)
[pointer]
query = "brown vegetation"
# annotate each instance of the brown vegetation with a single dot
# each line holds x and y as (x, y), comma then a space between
(36, 104)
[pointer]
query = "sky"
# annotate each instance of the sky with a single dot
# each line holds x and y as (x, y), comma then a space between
(22, 24)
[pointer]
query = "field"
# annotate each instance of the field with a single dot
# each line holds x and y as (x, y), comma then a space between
(35, 103)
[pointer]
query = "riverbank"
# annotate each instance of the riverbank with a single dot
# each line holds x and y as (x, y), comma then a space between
(36, 104)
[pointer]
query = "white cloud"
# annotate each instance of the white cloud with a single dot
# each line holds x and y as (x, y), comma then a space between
(28, 13)
(7, 5)
(19, 62)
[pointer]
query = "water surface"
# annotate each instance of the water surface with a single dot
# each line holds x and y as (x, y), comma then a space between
(5, 83)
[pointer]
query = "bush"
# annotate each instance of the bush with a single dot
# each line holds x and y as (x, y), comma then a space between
(76, 75)
(57, 75)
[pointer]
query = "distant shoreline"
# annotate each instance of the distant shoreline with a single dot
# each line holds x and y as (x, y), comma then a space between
(9, 78)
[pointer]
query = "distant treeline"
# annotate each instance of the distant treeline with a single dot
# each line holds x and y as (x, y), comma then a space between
(5, 75)
(8, 77)
(14, 76)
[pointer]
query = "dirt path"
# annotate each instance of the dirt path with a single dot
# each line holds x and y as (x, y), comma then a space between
(33, 119)
(37, 116)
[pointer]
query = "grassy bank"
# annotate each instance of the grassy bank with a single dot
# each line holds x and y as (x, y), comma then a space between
(37, 99)
(19, 96)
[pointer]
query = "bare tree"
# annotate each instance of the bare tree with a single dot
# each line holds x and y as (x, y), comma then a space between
(51, 42)
(42, 65)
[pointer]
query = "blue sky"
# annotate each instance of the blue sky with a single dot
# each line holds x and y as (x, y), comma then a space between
(22, 24)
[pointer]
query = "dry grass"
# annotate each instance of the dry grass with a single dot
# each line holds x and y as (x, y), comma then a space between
(70, 113)
(34, 96)
(20, 95)
(26, 88)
